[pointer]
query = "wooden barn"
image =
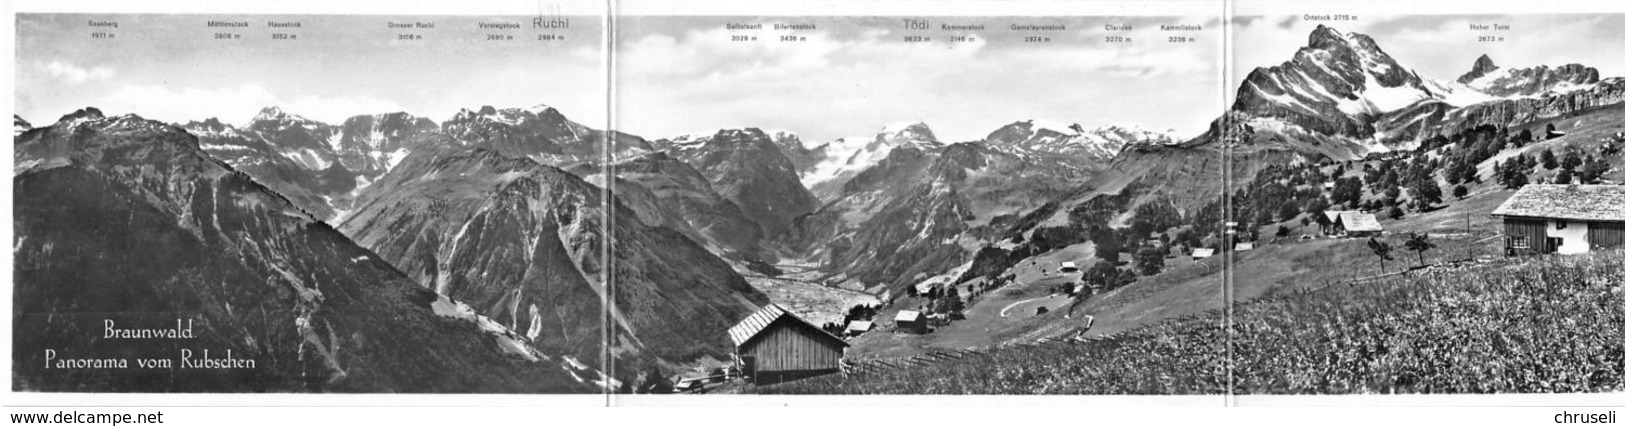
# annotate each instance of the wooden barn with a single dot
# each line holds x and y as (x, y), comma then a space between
(1328, 223)
(910, 321)
(1353, 224)
(857, 328)
(775, 346)
(1563, 219)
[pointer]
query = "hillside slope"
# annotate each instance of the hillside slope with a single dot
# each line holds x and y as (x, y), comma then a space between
(1532, 325)
(128, 221)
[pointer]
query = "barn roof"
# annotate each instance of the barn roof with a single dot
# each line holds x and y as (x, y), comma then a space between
(1572, 202)
(1202, 253)
(755, 323)
(1331, 215)
(860, 326)
(1244, 246)
(907, 316)
(1359, 222)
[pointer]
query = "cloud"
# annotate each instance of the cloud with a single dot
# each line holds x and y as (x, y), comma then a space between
(235, 104)
(74, 74)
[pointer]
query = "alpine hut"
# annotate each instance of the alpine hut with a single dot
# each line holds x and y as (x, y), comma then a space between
(1356, 224)
(912, 321)
(775, 346)
(1565, 219)
(856, 328)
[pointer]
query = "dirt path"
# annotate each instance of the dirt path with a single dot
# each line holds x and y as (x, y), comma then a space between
(1005, 313)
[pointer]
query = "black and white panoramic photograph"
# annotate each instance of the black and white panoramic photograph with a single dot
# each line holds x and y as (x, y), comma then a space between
(252, 203)
(623, 203)
(1427, 204)
(924, 204)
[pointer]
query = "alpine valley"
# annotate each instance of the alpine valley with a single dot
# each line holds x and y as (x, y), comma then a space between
(1063, 261)
(515, 250)
(388, 254)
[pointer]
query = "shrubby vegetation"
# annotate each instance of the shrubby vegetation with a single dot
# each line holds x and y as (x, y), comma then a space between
(1549, 325)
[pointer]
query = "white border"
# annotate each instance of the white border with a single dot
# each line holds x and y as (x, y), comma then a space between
(739, 8)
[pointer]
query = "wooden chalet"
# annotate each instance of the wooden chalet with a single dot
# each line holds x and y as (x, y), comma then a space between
(1353, 224)
(775, 346)
(1328, 223)
(912, 321)
(1563, 219)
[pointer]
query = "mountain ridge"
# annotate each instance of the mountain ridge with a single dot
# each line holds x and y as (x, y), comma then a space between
(123, 218)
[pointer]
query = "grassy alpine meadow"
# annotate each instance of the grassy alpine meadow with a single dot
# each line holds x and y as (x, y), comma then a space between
(1529, 325)
(1183, 356)
(1548, 324)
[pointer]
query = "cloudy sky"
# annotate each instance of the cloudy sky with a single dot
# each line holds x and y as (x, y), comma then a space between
(680, 75)
(169, 67)
(1441, 46)
(853, 76)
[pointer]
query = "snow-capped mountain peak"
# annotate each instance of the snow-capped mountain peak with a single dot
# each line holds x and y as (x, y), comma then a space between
(1073, 139)
(845, 157)
(211, 125)
(904, 133)
(1339, 84)
(1493, 80)
(274, 113)
(1482, 66)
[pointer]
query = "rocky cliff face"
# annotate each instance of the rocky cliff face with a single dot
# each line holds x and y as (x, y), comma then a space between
(296, 173)
(286, 152)
(680, 198)
(322, 167)
(1087, 146)
(1342, 90)
(747, 168)
(127, 220)
(1488, 78)
(845, 158)
(373, 144)
(524, 244)
(919, 213)
(1339, 84)
(504, 235)
(540, 133)
(1524, 110)
(316, 165)
(802, 157)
